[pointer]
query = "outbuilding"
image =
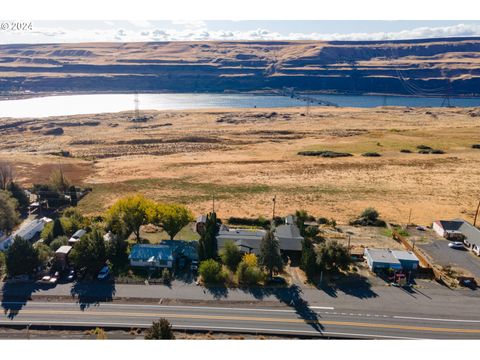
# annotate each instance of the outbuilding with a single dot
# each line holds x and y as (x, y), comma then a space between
(408, 259)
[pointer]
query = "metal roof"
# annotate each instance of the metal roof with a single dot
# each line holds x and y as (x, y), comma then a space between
(145, 252)
(404, 255)
(65, 249)
(382, 256)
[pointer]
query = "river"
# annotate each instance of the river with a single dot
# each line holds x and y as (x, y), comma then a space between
(59, 105)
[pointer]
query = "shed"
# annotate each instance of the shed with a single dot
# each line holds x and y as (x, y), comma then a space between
(61, 255)
(381, 259)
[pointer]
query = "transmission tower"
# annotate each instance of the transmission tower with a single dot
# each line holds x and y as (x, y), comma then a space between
(137, 108)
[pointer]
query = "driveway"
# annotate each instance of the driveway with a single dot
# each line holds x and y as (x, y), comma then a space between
(443, 255)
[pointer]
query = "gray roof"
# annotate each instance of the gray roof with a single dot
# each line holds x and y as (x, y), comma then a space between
(78, 234)
(471, 233)
(382, 256)
(202, 219)
(404, 255)
(289, 237)
(243, 238)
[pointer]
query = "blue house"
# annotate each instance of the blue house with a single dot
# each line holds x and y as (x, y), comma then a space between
(157, 256)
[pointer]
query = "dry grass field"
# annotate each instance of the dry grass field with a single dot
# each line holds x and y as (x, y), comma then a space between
(247, 156)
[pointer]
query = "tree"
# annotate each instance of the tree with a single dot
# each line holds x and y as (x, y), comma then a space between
(9, 217)
(248, 272)
(117, 253)
(89, 253)
(172, 218)
(19, 194)
(58, 181)
(160, 330)
(270, 256)
(2, 264)
(211, 271)
(22, 258)
(308, 260)
(6, 175)
(57, 229)
(231, 255)
(73, 195)
(207, 245)
(301, 216)
(44, 252)
(332, 256)
(58, 242)
(131, 212)
(370, 214)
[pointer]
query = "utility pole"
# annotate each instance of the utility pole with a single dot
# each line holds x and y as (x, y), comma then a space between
(274, 202)
(476, 214)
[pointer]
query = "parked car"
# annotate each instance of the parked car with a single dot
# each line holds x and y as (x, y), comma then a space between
(104, 273)
(456, 245)
(71, 276)
(49, 280)
(194, 266)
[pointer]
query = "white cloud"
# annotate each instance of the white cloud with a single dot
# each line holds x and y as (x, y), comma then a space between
(198, 31)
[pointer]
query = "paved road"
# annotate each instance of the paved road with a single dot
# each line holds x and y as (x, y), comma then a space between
(300, 320)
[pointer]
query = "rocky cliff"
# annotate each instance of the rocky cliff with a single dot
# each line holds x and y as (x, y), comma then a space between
(417, 67)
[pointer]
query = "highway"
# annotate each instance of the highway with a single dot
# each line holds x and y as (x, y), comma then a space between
(302, 320)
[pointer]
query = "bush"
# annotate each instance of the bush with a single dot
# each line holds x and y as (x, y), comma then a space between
(160, 330)
(324, 153)
(424, 147)
(231, 255)
(437, 151)
(322, 221)
(424, 152)
(249, 275)
(406, 151)
(369, 217)
(260, 221)
(250, 260)
(371, 154)
(58, 242)
(476, 146)
(166, 277)
(211, 271)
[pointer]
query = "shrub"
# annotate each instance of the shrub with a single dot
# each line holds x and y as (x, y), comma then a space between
(211, 271)
(260, 221)
(371, 154)
(324, 153)
(370, 214)
(424, 151)
(250, 260)
(322, 221)
(437, 151)
(407, 151)
(369, 217)
(160, 330)
(424, 147)
(476, 146)
(166, 277)
(231, 255)
(58, 242)
(249, 275)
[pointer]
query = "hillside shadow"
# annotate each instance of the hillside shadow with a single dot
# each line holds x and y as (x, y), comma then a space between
(16, 296)
(89, 294)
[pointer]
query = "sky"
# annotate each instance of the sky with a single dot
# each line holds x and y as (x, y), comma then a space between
(178, 30)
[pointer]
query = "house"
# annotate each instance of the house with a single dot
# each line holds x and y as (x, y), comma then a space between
(391, 259)
(459, 229)
(381, 259)
(29, 230)
(76, 237)
(152, 256)
(61, 256)
(248, 241)
(408, 259)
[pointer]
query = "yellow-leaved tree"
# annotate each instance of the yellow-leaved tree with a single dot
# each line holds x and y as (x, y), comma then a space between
(172, 218)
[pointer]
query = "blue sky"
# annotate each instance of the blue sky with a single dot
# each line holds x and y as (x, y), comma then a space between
(150, 30)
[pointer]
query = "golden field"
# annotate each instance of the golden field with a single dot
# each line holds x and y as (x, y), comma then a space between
(246, 156)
